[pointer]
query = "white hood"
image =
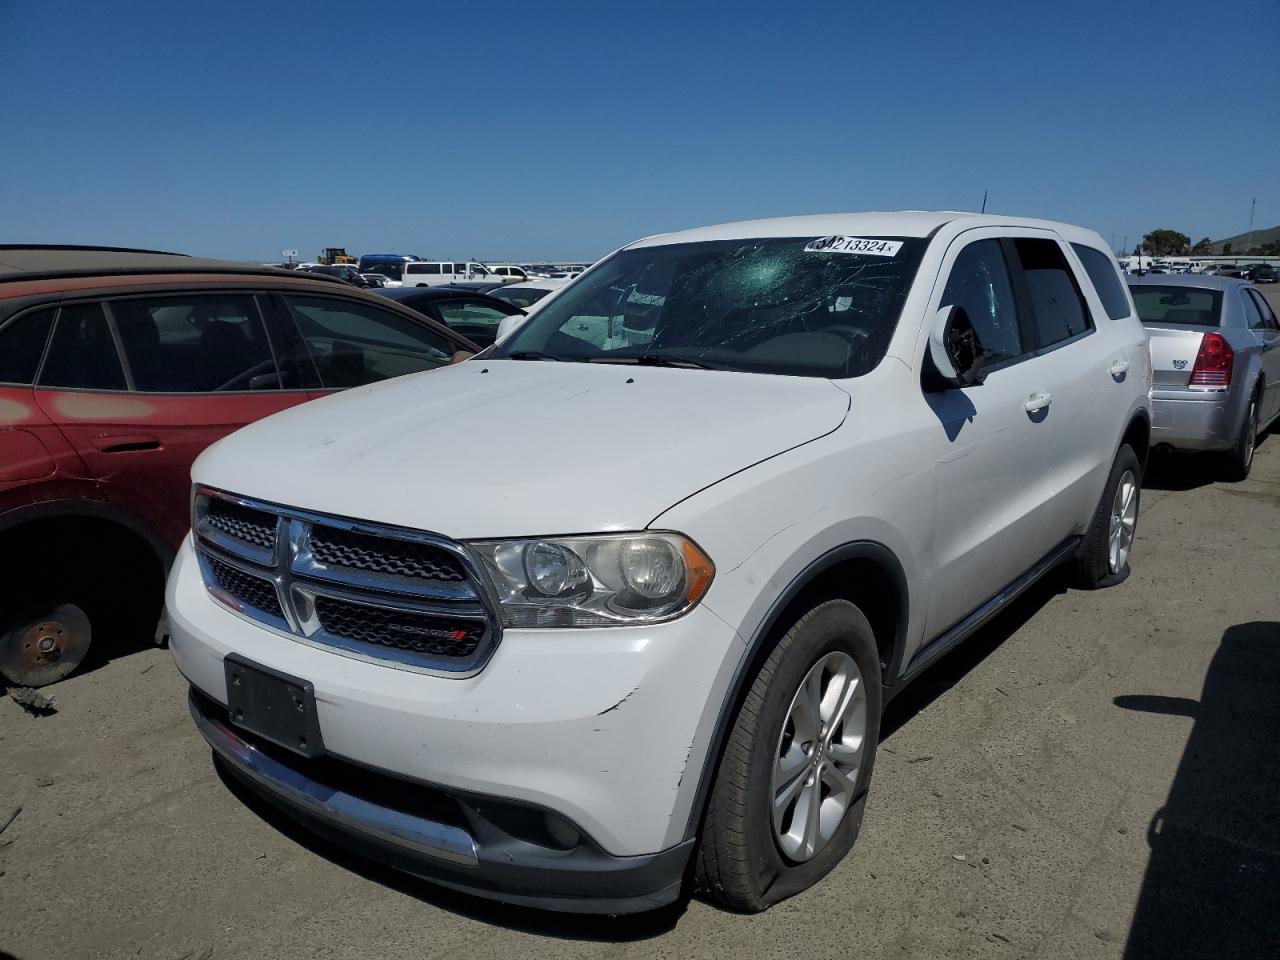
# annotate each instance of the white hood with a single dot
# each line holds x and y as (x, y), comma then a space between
(507, 448)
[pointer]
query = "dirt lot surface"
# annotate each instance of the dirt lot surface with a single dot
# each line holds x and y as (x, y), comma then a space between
(1093, 775)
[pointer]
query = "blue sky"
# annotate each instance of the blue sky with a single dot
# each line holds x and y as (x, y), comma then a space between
(562, 130)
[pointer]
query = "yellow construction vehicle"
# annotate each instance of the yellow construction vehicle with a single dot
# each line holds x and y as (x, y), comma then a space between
(335, 255)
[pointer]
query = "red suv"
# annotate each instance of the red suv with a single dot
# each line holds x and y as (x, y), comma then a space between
(117, 368)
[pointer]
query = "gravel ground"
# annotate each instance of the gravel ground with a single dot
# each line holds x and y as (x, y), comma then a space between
(1093, 775)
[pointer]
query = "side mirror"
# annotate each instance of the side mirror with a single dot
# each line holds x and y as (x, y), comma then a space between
(508, 324)
(955, 351)
(460, 356)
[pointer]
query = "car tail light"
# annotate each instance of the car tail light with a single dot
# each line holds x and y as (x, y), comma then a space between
(1213, 362)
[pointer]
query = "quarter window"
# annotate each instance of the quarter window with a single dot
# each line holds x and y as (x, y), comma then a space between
(1102, 273)
(21, 345)
(199, 344)
(83, 354)
(979, 283)
(1056, 304)
(353, 344)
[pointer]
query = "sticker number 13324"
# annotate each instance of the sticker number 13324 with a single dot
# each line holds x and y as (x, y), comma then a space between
(876, 248)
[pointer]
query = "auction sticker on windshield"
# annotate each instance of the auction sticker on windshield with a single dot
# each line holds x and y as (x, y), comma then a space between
(876, 248)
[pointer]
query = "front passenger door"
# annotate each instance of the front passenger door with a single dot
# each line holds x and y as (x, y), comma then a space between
(992, 443)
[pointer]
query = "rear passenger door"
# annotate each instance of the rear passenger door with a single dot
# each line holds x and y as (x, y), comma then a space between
(141, 385)
(1092, 349)
(1267, 330)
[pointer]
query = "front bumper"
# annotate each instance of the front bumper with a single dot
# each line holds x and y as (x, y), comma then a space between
(476, 845)
(607, 729)
(1193, 422)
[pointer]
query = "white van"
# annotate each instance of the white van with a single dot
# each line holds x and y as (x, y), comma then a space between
(507, 272)
(437, 273)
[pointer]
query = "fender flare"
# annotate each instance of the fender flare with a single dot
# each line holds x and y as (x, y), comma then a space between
(856, 550)
(97, 509)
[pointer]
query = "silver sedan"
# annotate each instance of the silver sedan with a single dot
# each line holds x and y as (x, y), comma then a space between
(1215, 356)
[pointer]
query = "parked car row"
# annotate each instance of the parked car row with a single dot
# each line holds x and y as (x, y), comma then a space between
(643, 573)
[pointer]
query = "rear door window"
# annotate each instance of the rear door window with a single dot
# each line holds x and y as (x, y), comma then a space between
(354, 343)
(22, 343)
(1057, 306)
(82, 354)
(1269, 321)
(195, 344)
(1105, 278)
(1252, 315)
(475, 321)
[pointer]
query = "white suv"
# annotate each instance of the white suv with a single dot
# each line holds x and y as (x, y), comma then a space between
(627, 594)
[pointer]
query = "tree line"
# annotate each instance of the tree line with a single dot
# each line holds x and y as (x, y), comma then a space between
(1173, 243)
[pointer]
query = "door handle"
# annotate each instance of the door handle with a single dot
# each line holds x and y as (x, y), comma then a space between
(1119, 369)
(1037, 402)
(125, 443)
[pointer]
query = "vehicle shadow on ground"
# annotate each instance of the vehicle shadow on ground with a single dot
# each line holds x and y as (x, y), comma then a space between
(524, 919)
(947, 672)
(1212, 886)
(1181, 471)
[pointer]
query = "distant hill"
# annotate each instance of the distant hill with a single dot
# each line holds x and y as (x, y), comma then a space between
(1240, 242)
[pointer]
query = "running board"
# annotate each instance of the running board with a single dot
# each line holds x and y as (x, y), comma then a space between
(949, 638)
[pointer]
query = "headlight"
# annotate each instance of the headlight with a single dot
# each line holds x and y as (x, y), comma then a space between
(595, 581)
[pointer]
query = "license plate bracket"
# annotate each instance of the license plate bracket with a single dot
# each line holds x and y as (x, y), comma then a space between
(276, 706)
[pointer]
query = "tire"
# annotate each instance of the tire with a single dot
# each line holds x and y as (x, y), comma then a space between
(741, 862)
(1239, 461)
(1095, 564)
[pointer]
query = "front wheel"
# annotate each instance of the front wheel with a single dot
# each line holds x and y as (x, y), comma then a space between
(1103, 558)
(790, 789)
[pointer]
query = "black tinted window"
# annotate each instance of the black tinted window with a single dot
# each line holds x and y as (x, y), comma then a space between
(1102, 272)
(477, 322)
(1056, 304)
(195, 344)
(1252, 315)
(22, 344)
(979, 283)
(82, 354)
(353, 343)
(1268, 315)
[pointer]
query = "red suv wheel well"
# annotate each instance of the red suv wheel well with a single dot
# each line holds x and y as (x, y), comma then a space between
(90, 560)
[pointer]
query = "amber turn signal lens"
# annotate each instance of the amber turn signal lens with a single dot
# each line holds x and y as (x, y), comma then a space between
(698, 572)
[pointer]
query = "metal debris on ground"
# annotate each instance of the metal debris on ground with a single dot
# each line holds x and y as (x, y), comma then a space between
(33, 701)
(9, 819)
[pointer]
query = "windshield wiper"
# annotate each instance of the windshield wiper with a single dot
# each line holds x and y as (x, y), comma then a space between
(658, 360)
(530, 355)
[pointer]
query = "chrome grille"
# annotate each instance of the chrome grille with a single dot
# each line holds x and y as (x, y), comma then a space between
(243, 523)
(388, 594)
(403, 629)
(401, 558)
(257, 592)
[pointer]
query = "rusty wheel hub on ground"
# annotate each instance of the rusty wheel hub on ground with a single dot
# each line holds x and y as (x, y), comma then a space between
(45, 648)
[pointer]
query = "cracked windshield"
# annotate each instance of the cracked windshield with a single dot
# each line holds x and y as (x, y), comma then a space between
(798, 306)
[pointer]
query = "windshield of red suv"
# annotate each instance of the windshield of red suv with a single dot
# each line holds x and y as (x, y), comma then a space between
(799, 306)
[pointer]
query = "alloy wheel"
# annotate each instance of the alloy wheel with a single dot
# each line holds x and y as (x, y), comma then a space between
(819, 754)
(1124, 521)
